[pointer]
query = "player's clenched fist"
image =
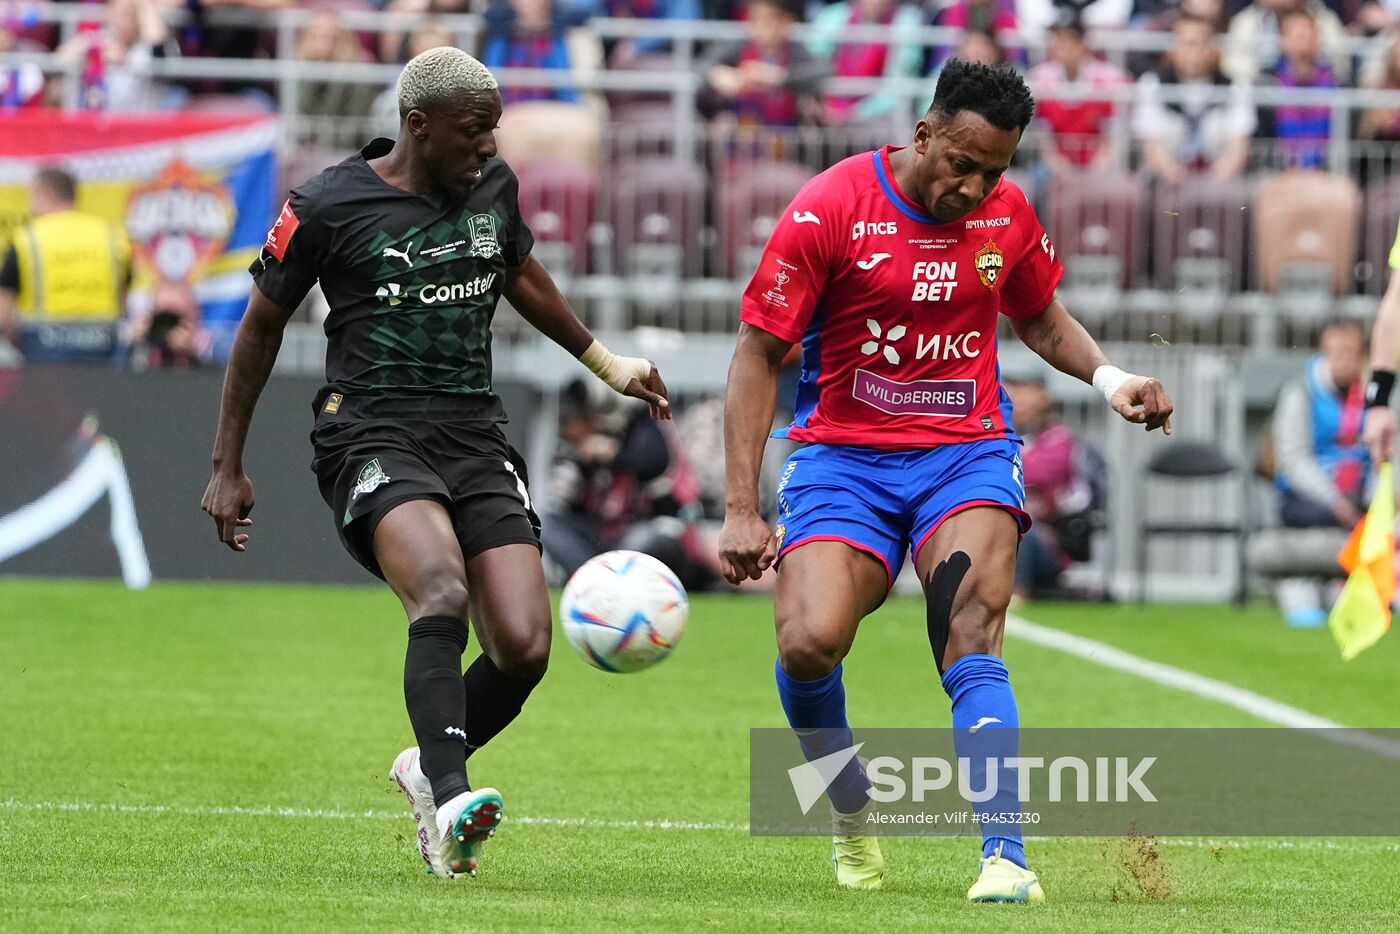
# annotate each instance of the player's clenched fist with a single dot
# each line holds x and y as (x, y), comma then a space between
(1141, 400)
(747, 546)
(229, 499)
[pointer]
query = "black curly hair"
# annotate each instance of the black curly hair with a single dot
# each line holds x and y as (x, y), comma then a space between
(994, 92)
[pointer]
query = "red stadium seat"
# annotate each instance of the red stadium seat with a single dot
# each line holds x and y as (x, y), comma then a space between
(657, 212)
(1200, 237)
(1378, 233)
(1305, 235)
(1096, 224)
(751, 198)
(557, 201)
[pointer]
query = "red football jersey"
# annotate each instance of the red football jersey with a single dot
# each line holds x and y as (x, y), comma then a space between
(897, 312)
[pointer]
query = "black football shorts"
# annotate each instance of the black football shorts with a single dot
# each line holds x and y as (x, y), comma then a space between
(374, 453)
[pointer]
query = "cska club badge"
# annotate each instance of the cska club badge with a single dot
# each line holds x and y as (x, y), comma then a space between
(989, 261)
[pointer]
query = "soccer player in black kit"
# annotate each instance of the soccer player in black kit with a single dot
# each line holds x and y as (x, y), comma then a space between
(414, 242)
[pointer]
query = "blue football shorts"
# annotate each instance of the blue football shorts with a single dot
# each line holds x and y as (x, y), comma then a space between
(884, 502)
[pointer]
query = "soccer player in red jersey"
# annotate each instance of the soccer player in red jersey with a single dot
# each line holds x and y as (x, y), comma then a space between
(890, 268)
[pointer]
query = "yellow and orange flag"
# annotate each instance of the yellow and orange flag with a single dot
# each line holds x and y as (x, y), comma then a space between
(1361, 614)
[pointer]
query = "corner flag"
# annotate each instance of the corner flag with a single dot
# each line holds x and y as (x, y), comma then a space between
(1361, 614)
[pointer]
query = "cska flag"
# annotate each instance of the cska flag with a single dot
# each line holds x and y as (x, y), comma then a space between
(1362, 612)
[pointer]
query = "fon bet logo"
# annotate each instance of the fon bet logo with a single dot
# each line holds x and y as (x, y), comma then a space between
(894, 334)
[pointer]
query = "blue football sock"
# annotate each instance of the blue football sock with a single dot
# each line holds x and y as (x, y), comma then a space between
(816, 711)
(985, 725)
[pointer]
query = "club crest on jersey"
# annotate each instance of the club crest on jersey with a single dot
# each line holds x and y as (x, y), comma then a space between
(371, 478)
(483, 230)
(988, 262)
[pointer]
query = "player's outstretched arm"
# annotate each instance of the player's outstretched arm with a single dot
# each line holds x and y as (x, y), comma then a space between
(532, 292)
(1380, 427)
(1063, 343)
(229, 496)
(747, 546)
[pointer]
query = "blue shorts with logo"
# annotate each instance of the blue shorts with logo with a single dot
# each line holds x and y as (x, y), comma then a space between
(884, 502)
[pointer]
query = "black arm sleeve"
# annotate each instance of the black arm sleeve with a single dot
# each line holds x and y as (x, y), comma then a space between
(519, 239)
(287, 267)
(9, 270)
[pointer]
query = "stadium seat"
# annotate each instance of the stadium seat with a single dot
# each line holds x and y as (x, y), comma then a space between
(1200, 237)
(1191, 464)
(1378, 232)
(1305, 226)
(657, 212)
(751, 197)
(557, 201)
(1097, 222)
(550, 132)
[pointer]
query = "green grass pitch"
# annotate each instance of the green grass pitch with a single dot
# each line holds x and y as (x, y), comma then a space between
(213, 758)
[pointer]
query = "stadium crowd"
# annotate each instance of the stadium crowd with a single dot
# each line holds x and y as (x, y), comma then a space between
(769, 78)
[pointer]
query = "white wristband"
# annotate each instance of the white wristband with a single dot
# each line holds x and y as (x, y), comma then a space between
(1109, 379)
(616, 371)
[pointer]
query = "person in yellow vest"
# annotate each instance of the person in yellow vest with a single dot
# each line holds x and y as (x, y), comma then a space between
(64, 276)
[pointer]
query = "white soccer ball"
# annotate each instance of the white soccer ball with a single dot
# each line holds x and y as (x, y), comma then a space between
(623, 611)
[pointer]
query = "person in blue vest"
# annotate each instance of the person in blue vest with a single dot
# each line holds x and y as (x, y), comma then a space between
(1322, 465)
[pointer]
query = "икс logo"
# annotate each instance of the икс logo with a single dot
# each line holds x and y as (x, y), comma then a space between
(894, 334)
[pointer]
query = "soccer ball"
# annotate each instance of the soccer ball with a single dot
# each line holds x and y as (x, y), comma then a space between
(623, 611)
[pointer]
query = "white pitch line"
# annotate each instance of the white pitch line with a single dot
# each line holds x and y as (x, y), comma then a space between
(14, 804)
(1222, 692)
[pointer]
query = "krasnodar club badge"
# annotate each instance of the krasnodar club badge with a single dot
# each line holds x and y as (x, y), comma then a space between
(371, 478)
(483, 231)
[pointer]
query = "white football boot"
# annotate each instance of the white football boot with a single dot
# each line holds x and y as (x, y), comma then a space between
(464, 824)
(408, 773)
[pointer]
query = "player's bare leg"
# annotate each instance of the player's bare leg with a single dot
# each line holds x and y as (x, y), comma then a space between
(824, 590)
(968, 569)
(417, 550)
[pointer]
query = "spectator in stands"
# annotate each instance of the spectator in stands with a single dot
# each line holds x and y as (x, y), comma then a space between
(1383, 123)
(1059, 473)
(117, 58)
(1208, 130)
(526, 34)
(863, 59)
(1321, 464)
(21, 83)
(170, 335)
(212, 39)
(1164, 18)
(395, 46)
(1302, 129)
(325, 39)
(619, 481)
(1037, 15)
(994, 18)
(1248, 43)
(385, 109)
(624, 53)
(63, 278)
(769, 79)
(1078, 129)
(980, 47)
